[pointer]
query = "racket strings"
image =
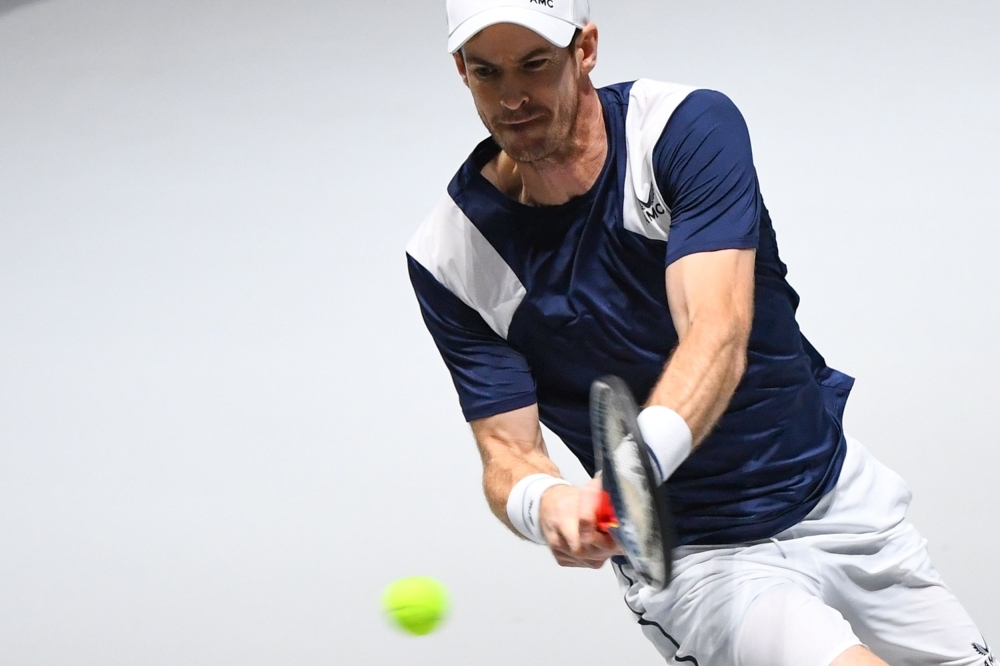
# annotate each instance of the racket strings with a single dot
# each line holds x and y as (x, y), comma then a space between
(638, 531)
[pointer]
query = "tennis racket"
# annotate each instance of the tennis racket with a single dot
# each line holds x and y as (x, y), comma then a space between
(632, 511)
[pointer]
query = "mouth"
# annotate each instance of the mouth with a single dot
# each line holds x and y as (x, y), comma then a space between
(520, 122)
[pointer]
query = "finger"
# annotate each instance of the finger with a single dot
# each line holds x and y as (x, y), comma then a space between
(570, 530)
(554, 537)
(591, 499)
(602, 554)
(566, 560)
(590, 560)
(604, 542)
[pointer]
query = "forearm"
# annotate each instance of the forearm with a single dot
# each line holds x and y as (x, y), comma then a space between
(511, 449)
(503, 471)
(545, 511)
(702, 374)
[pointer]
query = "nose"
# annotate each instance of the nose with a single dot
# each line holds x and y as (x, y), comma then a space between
(512, 95)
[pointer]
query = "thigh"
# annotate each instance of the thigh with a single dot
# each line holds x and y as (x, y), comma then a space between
(738, 607)
(787, 625)
(900, 607)
(874, 568)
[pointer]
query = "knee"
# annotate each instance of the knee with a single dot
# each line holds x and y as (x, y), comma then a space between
(857, 656)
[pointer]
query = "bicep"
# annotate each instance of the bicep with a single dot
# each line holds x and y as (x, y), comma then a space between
(707, 164)
(712, 287)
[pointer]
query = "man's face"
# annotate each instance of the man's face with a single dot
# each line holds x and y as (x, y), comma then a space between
(525, 88)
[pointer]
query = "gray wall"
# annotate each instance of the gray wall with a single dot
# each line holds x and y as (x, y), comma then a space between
(223, 428)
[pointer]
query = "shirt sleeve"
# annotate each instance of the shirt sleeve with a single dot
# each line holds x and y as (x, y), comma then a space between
(704, 168)
(490, 376)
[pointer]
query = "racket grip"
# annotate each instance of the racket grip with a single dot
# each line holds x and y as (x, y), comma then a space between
(606, 518)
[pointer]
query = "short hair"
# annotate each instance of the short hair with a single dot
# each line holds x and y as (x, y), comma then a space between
(572, 42)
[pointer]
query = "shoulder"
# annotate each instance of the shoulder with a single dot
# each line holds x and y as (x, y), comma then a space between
(650, 108)
(706, 110)
(616, 93)
(652, 103)
(436, 240)
(456, 257)
(436, 234)
(704, 125)
(657, 107)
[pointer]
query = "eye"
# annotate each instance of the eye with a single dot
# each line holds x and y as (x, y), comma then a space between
(536, 64)
(483, 72)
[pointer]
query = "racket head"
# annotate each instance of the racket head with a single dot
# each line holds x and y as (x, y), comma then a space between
(645, 529)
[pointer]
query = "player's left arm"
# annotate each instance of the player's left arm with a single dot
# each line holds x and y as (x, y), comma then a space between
(711, 304)
(705, 166)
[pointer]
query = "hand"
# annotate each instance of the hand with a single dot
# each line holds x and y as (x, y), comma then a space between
(568, 516)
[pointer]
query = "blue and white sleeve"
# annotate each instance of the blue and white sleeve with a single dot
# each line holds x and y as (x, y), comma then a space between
(704, 168)
(490, 376)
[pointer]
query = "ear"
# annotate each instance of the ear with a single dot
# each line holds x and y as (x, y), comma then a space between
(586, 49)
(462, 70)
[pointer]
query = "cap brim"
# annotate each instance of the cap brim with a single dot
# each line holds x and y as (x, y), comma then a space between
(556, 30)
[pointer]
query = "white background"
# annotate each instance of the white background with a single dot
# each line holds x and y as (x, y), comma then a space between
(223, 427)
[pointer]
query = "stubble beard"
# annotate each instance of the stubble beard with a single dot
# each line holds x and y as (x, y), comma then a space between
(550, 146)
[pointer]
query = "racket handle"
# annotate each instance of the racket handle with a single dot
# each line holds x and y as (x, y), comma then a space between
(606, 518)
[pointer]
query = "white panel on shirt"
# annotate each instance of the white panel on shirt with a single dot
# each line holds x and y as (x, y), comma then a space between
(457, 254)
(651, 103)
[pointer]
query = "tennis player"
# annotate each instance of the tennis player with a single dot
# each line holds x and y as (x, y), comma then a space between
(622, 231)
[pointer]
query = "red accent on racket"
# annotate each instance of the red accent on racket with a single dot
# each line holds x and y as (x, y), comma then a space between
(606, 518)
(645, 530)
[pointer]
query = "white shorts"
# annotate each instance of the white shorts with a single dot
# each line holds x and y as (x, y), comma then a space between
(853, 572)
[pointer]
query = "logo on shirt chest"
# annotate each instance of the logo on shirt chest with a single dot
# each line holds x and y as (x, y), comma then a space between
(651, 208)
(544, 3)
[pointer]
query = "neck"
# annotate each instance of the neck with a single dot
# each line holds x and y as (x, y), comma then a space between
(568, 173)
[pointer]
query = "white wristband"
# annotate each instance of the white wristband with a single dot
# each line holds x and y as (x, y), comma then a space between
(524, 502)
(668, 438)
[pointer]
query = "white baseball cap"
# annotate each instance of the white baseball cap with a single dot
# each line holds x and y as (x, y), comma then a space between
(555, 20)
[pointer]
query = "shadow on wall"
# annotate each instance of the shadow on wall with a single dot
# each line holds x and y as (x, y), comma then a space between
(7, 6)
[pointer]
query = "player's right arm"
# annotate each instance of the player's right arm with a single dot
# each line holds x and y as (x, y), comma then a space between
(497, 392)
(512, 447)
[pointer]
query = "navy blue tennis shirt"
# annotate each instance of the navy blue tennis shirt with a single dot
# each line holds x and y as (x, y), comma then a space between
(531, 304)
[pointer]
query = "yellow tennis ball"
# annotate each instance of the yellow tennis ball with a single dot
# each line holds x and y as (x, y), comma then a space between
(416, 604)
